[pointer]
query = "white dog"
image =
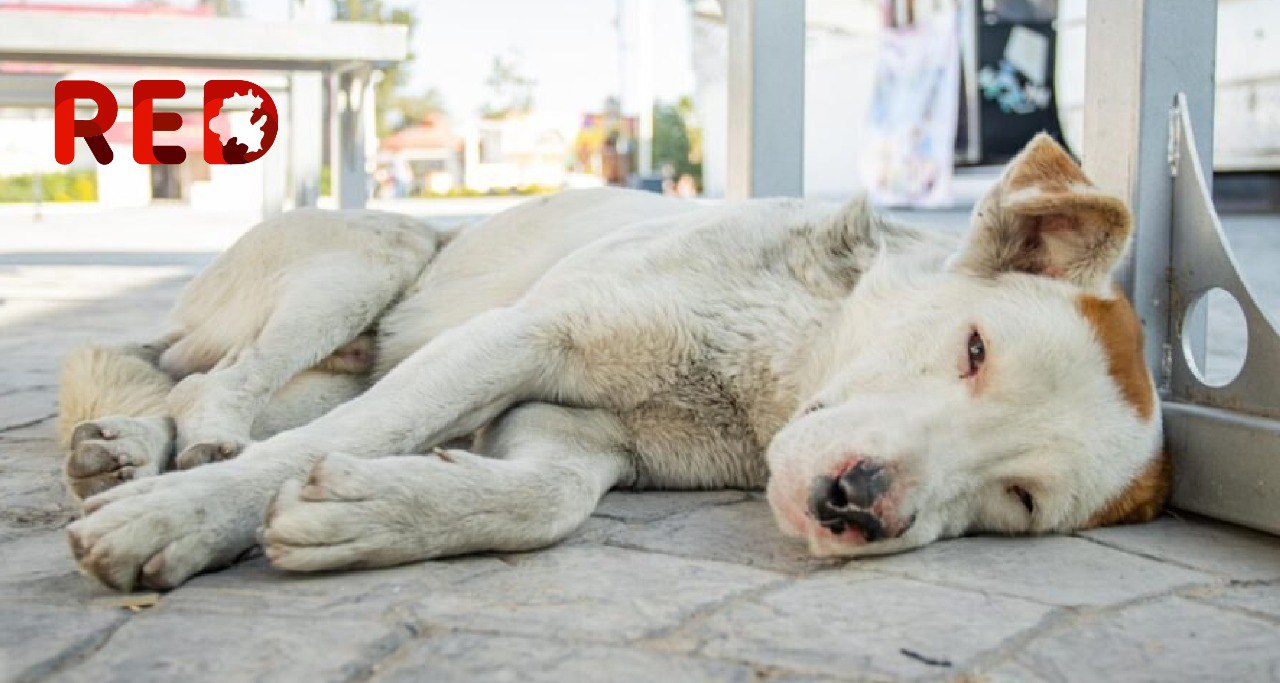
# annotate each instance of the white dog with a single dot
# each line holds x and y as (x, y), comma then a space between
(890, 386)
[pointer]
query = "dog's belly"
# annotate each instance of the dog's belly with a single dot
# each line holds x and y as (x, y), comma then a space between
(693, 447)
(704, 430)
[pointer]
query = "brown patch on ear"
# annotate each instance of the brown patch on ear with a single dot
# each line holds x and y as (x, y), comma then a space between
(1120, 332)
(1043, 164)
(1143, 500)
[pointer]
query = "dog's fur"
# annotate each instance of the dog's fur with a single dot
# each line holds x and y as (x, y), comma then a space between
(609, 338)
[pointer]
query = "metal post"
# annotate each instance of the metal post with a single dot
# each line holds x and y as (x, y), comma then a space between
(1148, 137)
(1139, 55)
(766, 98)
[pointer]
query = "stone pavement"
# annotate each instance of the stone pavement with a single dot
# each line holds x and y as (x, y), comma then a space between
(656, 587)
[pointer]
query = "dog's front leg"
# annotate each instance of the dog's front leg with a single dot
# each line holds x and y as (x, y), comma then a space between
(550, 466)
(162, 530)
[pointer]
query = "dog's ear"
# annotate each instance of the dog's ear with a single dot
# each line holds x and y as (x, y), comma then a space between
(1044, 217)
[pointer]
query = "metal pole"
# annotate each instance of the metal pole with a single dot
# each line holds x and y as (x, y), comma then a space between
(766, 98)
(37, 183)
(1139, 55)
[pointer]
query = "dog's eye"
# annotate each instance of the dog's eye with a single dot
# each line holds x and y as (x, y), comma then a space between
(815, 406)
(1023, 497)
(977, 350)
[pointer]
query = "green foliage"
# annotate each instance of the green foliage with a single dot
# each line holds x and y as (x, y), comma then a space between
(675, 140)
(520, 191)
(411, 110)
(64, 186)
(510, 91)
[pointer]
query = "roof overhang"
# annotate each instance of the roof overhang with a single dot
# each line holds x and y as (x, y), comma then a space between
(162, 40)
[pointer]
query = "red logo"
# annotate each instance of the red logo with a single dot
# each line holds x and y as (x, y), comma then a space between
(240, 121)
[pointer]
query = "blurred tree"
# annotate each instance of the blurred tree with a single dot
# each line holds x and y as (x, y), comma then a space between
(374, 11)
(414, 109)
(677, 140)
(510, 91)
(223, 8)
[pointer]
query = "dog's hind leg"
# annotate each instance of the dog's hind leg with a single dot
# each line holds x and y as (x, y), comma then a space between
(325, 303)
(112, 418)
(551, 466)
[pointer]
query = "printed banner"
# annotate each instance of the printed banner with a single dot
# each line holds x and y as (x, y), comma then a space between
(912, 125)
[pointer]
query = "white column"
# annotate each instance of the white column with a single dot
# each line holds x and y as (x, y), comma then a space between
(351, 94)
(306, 125)
(766, 98)
(306, 136)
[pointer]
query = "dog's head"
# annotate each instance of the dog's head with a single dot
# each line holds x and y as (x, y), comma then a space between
(1006, 393)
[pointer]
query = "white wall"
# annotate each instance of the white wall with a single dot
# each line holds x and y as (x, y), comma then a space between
(839, 78)
(26, 143)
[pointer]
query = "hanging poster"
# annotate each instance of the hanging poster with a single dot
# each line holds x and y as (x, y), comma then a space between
(912, 124)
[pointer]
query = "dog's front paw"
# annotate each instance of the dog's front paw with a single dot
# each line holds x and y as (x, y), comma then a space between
(112, 450)
(349, 513)
(160, 531)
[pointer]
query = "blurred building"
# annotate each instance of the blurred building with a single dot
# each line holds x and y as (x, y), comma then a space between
(606, 146)
(425, 158)
(26, 126)
(517, 151)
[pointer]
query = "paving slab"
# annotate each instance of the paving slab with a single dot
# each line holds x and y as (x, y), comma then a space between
(1052, 570)
(471, 657)
(856, 624)
(1167, 640)
(1206, 545)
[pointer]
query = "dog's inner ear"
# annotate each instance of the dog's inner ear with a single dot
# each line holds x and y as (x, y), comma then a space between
(1044, 217)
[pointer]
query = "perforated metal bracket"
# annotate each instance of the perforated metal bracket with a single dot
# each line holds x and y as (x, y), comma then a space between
(1225, 440)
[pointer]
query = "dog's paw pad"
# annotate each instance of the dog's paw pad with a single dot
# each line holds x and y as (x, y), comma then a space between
(104, 456)
(93, 430)
(207, 452)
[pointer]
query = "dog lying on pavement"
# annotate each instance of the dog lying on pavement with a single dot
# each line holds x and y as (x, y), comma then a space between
(351, 389)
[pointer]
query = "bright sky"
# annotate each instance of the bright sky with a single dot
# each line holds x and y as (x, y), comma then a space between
(570, 47)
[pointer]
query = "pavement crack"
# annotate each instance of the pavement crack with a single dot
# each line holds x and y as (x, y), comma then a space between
(76, 655)
(1064, 617)
(1146, 556)
(646, 520)
(669, 634)
(29, 423)
(25, 389)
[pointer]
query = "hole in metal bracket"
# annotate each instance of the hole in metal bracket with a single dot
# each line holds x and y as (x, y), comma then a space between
(1226, 337)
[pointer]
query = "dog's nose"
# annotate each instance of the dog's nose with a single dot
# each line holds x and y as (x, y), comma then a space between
(845, 501)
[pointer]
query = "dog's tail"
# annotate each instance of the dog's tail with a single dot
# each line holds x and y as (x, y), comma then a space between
(97, 381)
